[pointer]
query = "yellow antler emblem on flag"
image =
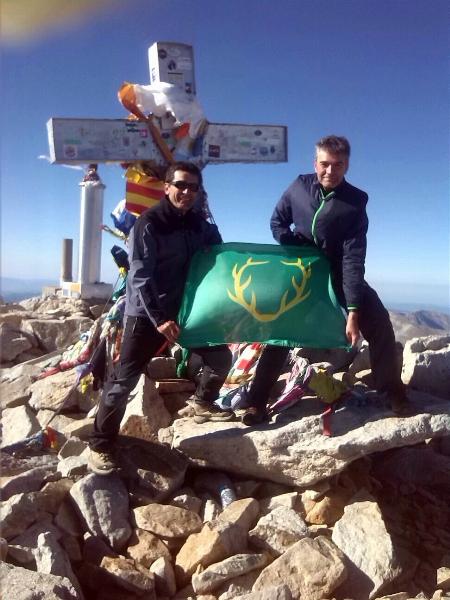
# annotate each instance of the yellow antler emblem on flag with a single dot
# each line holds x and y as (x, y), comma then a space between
(285, 305)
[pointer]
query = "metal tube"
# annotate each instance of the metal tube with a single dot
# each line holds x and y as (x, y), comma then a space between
(66, 259)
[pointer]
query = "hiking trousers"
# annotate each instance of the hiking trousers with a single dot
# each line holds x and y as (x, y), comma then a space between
(375, 326)
(141, 341)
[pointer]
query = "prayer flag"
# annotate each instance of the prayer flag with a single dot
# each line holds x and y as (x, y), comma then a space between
(142, 190)
(278, 295)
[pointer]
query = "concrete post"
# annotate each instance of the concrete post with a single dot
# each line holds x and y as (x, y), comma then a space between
(66, 260)
(90, 250)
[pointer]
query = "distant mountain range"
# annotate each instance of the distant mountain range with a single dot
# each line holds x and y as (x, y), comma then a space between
(407, 323)
(14, 290)
(419, 323)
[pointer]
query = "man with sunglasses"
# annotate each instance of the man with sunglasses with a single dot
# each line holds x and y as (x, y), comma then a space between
(162, 243)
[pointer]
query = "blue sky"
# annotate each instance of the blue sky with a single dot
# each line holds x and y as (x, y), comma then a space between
(373, 70)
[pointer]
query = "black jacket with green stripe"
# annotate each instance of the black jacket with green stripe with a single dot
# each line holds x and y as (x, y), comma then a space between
(337, 225)
(162, 244)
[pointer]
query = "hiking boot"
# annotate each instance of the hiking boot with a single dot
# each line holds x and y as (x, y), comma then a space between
(101, 462)
(253, 416)
(399, 404)
(205, 411)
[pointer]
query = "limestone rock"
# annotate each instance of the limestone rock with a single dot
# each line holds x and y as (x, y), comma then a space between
(426, 365)
(145, 547)
(29, 355)
(97, 310)
(165, 583)
(56, 305)
(103, 505)
(188, 500)
(14, 393)
(128, 577)
(18, 423)
(210, 510)
(13, 342)
(296, 452)
(72, 447)
(51, 392)
(53, 494)
(72, 466)
(27, 481)
(165, 436)
(19, 581)
(162, 367)
(52, 559)
(214, 575)
(362, 536)
(361, 362)
(311, 569)
(443, 579)
(153, 472)
(175, 401)
(242, 512)
(56, 334)
(79, 428)
(3, 548)
(13, 320)
(67, 519)
(278, 530)
(288, 500)
(23, 547)
(217, 540)
(398, 596)
(329, 508)
(58, 422)
(238, 586)
(145, 413)
(278, 592)
(167, 521)
(17, 513)
(171, 386)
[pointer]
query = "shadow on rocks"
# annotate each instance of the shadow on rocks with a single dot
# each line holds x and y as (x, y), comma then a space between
(150, 470)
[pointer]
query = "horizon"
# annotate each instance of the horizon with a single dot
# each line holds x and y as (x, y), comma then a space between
(379, 83)
(18, 289)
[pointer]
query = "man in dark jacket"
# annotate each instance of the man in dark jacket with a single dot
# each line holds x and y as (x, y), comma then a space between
(328, 212)
(162, 243)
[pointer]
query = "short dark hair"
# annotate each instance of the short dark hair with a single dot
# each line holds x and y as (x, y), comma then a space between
(185, 166)
(334, 144)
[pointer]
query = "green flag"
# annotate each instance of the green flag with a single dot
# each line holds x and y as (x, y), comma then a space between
(261, 293)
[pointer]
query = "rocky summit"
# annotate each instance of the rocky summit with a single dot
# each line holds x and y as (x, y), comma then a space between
(285, 510)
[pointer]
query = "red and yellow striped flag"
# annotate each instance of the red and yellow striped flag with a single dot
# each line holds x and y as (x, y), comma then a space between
(142, 190)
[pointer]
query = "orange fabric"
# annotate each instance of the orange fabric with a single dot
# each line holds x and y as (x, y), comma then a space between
(127, 97)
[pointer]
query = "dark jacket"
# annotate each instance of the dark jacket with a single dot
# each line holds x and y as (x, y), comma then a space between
(162, 243)
(337, 225)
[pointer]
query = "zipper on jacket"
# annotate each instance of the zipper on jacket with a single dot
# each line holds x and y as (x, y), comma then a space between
(323, 198)
(313, 225)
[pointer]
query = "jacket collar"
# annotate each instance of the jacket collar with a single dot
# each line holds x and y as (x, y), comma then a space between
(336, 190)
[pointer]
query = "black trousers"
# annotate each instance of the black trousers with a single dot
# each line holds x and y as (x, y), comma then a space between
(375, 326)
(141, 341)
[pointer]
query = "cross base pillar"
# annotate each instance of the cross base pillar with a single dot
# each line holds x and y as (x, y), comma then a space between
(85, 291)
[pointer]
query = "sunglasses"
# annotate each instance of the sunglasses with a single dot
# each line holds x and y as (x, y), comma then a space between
(185, 185)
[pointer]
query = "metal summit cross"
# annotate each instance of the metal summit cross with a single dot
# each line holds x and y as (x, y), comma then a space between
(152, 140)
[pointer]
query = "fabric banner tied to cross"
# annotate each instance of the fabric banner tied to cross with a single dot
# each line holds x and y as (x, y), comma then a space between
(278, 295)
(142, 191)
